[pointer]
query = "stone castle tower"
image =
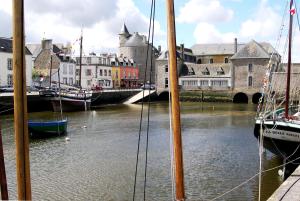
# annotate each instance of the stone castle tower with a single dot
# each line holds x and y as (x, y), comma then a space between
(134, 46)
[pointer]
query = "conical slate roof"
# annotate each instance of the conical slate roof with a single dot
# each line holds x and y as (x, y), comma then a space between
(124, 30)
(252, 50)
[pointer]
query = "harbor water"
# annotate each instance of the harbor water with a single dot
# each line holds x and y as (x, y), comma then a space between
(98, 163)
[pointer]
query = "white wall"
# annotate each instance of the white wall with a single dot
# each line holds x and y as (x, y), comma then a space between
(4, 70)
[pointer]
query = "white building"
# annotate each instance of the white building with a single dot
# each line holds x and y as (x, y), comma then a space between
(6, 63)
(95, 71)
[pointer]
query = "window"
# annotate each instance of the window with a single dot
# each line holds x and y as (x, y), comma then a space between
(65, 80)
(166, 69)
(219, 83)
(105, 72)
(70, 81)
(71, 69)
(109, 72)
(100, 60)
(101, 72)
(88, 60)
(189, 82)
(9, 80)
(88, 72)
(166, 83)
(220, 71)
(9, 64)
(250, 68)
(77, 71)
(199, 61)
(250, 81)
(203, 83)
(88, 82)
(65, 69)
(211, 61)
(226, 60)
(117, 75)
(77, 60)
(206, 72)
(104, 61)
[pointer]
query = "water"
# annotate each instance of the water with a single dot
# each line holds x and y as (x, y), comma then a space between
(98, 163)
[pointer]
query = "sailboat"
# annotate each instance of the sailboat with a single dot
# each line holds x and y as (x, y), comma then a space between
(280, 125)
(74, 100)
(43, 129)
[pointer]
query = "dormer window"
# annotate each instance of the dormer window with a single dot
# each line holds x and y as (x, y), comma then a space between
(191, 71)
(211, 61)
(226, 60)
(206, 72)
(250, 68)
(220, 71)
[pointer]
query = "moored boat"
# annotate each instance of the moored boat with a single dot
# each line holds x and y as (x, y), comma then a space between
(47, 128)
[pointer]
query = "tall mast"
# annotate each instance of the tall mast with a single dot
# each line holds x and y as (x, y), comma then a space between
(50, 80)
(288, 77)
(176, 125)
(80, 59)
(20, 103)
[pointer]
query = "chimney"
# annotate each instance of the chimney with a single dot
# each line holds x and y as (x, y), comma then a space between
(235, 45)
(47, 44)
(182, 52)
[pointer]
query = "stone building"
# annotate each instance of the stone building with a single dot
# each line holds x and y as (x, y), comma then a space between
(6, 63)
(49, 58)
(239, 68)
(136, 46)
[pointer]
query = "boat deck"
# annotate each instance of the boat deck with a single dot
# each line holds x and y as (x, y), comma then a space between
(289, 189)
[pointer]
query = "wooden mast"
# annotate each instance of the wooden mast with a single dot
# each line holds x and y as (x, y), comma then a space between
(4, 192)
(50, 80)
(288, 77)
(176, 125)
(20, 103)
(80, 60)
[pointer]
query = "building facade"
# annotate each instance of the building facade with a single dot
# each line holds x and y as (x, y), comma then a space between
(6, 63)
(136, 46)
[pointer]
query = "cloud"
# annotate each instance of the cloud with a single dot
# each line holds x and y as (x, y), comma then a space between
(265, 23)
(62, 21)
(5, 22)
(204, 11)
(208, 33)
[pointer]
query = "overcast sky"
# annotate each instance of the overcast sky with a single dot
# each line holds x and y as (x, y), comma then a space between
(197, 21)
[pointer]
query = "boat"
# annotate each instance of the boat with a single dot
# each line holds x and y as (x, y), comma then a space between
(278, 125)
(71, 101)
(47, 128)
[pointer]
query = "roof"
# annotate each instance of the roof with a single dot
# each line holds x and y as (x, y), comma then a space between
(124, 30)
(7, 46)
(253, 50)
(135, 40)
(213, 70)
(215, 49)
(35, 49)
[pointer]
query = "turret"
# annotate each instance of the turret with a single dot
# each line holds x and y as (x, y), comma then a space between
(123, 35)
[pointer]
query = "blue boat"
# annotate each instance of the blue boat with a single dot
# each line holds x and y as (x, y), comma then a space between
(47, 128)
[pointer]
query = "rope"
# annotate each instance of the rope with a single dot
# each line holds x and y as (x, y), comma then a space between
(141, 114)
(245, 182)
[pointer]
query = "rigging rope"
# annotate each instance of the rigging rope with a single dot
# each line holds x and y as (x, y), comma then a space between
(142, 109)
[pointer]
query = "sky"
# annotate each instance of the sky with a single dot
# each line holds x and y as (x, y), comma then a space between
(197, 21)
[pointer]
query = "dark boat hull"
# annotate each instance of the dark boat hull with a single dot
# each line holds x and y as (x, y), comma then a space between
(38, 129)
(282, 140)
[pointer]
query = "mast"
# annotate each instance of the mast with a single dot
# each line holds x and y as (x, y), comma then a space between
(80, 60)
(288, 76)
(50, 68)
(177, 148)
(20, 103)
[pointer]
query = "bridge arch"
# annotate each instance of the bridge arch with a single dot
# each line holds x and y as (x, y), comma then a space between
(240, 98)
(256, 97)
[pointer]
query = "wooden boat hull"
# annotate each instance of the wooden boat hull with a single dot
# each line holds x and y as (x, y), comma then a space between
(281, 138)
(47, 128)
(70, 104)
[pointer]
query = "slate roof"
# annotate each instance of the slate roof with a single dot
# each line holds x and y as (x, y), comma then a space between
(212, 68)
(6, 45)
(124, 30)
(253, 50)
(215, 49)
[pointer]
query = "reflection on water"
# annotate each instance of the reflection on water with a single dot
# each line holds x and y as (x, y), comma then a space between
(220, 152)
